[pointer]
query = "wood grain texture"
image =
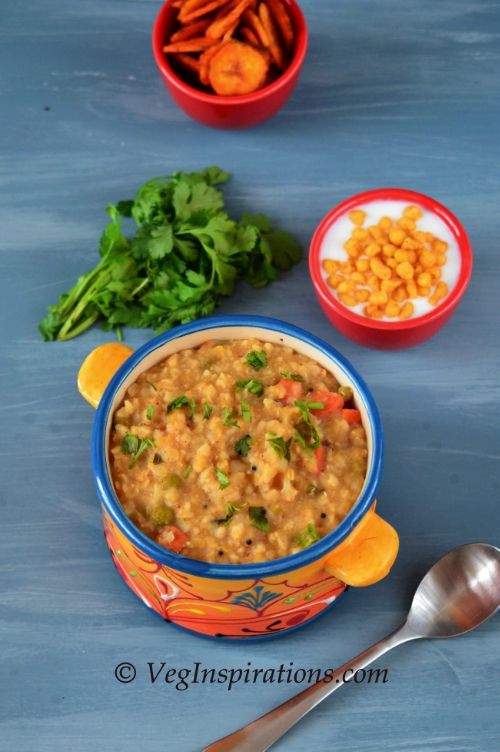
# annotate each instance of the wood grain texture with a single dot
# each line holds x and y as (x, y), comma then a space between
(392, 94)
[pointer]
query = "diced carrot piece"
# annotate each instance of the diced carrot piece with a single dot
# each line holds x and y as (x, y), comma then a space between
(196, 29)
(222, 25)
(236, 69)
(332, 402)
(351, 416)
(173, 538)
(274, 45)
(320, 456)
(198, 44)
(282, 21)
(293, 390)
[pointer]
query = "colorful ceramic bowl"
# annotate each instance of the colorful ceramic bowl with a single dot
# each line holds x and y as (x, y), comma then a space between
(229, 112)
(237, 601)
(390, 335)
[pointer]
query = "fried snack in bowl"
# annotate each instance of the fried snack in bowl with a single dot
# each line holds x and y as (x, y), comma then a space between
(230, 63)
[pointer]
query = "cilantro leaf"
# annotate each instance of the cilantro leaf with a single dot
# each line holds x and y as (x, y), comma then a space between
(243, 445)
(251, 385)
(305, 407)
(161, 241)
(284, 249)
(229, 418)
(257, 359)
(281, 447)
(207, 411)
(131, 444)
(222, 478)
(229, 512)
(246, 412)
(307, 537)
(258, 518)
(292, 376)
(259, 221)
(306, 433)
(182, 401)
(190, 197)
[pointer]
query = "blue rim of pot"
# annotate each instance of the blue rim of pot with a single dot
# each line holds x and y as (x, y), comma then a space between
(259, 570)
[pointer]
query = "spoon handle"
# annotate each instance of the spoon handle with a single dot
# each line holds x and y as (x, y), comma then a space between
(259, 735)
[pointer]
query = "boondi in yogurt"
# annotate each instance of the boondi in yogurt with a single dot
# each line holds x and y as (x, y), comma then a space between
(237, 451)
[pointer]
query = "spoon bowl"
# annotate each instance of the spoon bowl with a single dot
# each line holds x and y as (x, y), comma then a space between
(458, 593)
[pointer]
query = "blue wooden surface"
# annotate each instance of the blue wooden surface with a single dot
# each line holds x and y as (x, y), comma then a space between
(392, 94)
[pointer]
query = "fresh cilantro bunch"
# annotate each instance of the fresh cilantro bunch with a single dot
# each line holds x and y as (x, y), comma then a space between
(185, 254)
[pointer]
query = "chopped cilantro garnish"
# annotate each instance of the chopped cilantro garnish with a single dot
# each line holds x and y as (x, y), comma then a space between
(243, 445)
(150, 412)
(182, 401)
(229, 418)
(246, 412)
(307, 537)
(229, 512)
(136, 447)
(207, 411)
(187, 472)
(258, 518)
(251, 385)
(130, 443)
(305, 407)
(292, 376)
(280, 446)
(222, 478)
(306, 435)
(257, 359)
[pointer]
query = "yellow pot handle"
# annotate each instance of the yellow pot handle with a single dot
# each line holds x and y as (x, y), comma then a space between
(99, 367)
(367, 554)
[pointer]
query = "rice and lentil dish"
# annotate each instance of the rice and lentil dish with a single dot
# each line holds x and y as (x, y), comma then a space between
(237, 451)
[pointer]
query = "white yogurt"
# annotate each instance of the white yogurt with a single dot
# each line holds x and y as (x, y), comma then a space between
(341, 230)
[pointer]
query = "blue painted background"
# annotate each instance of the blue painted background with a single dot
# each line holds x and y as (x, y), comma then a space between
(392, 94)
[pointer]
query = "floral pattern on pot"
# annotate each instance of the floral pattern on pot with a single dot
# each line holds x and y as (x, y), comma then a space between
(231, 608)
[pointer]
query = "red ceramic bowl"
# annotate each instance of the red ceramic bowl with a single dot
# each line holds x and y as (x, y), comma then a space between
(229, 112)
(390, 335)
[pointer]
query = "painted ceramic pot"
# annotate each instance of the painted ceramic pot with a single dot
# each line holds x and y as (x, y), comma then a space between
(237, 601)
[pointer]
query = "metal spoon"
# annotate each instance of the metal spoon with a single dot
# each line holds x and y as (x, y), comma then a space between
(457, 594)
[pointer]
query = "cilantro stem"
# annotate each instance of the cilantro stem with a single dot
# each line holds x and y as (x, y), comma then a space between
(85, 324)
(79, 309)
